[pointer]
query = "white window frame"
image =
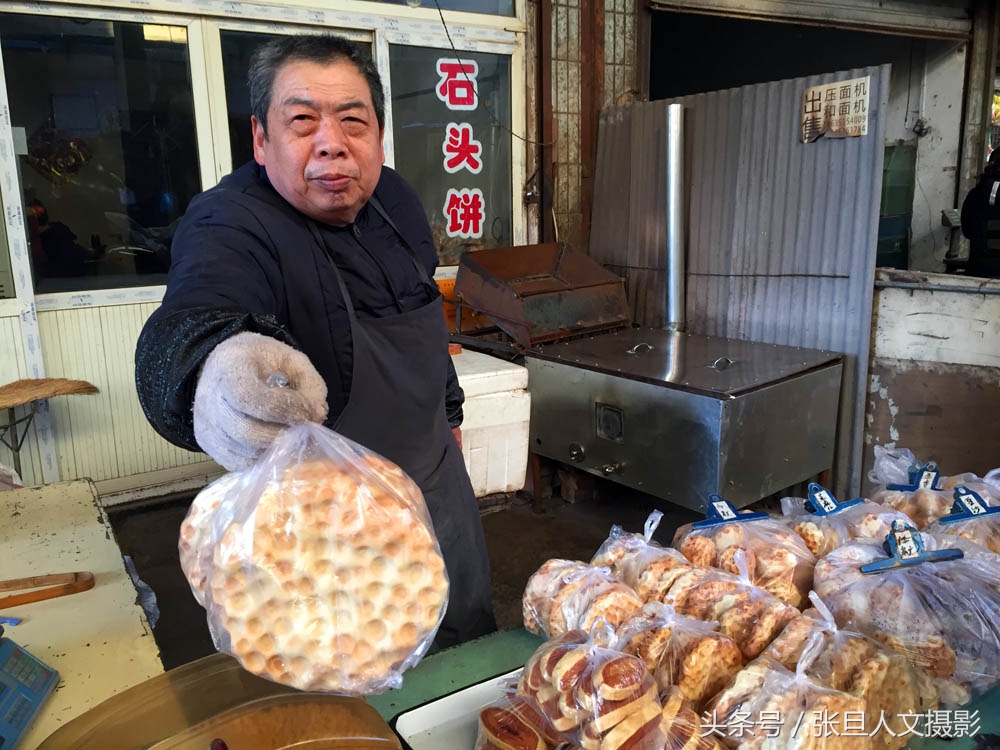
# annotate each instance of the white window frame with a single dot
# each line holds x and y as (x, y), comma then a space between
(380, 24)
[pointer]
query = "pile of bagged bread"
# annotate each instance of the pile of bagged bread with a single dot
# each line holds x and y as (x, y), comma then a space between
(749, 616)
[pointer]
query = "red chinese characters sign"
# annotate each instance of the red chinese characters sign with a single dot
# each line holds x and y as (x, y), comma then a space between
(457, 87)
(464, 208)
(461, 150)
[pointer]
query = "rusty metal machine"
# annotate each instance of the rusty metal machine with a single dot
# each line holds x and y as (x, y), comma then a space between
(675, 415)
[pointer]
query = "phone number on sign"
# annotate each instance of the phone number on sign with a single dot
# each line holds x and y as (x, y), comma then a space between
(946, 724)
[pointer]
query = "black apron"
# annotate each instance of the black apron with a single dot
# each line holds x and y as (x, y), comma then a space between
(396, 408)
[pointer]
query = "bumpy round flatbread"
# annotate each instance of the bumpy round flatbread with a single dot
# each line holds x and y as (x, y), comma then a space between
(192, 546)
(332, 583)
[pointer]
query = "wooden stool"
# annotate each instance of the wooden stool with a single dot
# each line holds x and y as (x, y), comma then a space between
(27, 392)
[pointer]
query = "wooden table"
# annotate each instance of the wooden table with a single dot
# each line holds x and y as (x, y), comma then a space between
(98, 640)
(25, 393)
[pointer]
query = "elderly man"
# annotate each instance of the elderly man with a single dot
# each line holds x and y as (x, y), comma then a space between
(315, 261)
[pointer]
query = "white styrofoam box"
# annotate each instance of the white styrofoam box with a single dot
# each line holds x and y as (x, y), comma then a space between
(480, 374)
(495, 429)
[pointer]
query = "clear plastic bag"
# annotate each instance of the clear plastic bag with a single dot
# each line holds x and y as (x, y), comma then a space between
(325, 572)
(976, 523)
(194, 545)
(746, 613)
(643, 565)
(769, 706)
(778, 559)
(595, 698)
(853, 663)
(944, 617)
(683, 654)
(897, 473)
(682, 726)
(823, 534)
(565, 595)
(515, 722)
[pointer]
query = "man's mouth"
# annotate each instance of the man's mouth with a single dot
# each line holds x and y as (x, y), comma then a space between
(334, 182)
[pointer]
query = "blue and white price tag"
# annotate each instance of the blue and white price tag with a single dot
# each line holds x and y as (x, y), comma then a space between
(968, 505)
(722, 511)
(905, 547)
(822, 502)
(922, 477)
(928, 479)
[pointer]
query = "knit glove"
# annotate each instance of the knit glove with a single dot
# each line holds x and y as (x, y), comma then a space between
(251, 388)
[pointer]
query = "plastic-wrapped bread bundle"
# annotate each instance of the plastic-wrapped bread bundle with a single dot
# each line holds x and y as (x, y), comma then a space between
(682, 726)
(824, 523)
(938, 604)
(514, 723)
(778, 559)
(787, 710)
(853, 663)
(747, 614)
(594, 697)
(970, 518)
(646, 567)
(193, 544)
(325, 572)
(918, 489)
(683, 654)
(564, 595)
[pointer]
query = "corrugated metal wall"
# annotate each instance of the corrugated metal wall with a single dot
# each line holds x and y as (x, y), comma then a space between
(781, 234)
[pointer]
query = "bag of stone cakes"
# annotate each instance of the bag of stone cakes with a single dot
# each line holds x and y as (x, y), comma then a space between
(321, 569)
(919, 489)
(824, 523)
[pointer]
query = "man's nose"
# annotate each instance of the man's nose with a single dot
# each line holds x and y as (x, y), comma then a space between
(330, 141)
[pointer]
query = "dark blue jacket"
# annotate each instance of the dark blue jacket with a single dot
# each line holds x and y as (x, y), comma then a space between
(981, 224)
(243, 259)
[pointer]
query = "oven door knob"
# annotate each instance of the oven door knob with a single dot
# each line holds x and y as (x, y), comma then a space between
(576, 452)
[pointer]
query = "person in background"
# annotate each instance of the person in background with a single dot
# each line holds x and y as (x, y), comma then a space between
(62, 256)
(981, 221)
(316, 260)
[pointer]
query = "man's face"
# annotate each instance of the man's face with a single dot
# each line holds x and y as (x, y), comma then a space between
(323, 148)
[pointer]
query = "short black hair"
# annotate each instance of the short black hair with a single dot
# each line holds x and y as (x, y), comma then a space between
(319, 48)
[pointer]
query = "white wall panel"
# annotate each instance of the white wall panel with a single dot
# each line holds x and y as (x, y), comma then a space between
(73, 347)
(105, 436)
(12, 368)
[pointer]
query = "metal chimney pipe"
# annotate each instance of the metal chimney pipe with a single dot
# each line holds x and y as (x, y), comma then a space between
(676, 271)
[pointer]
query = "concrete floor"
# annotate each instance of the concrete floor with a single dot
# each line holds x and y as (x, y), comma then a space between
(520, 536)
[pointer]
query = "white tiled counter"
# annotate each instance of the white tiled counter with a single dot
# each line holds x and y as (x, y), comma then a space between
(495, 430)
(98, 640)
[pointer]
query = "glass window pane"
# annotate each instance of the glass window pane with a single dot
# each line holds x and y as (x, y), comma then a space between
(452, 142)
(112, 162)
(493, 7)
(237, 47)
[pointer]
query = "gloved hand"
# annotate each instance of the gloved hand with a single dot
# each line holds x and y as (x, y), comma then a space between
(238, 413)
